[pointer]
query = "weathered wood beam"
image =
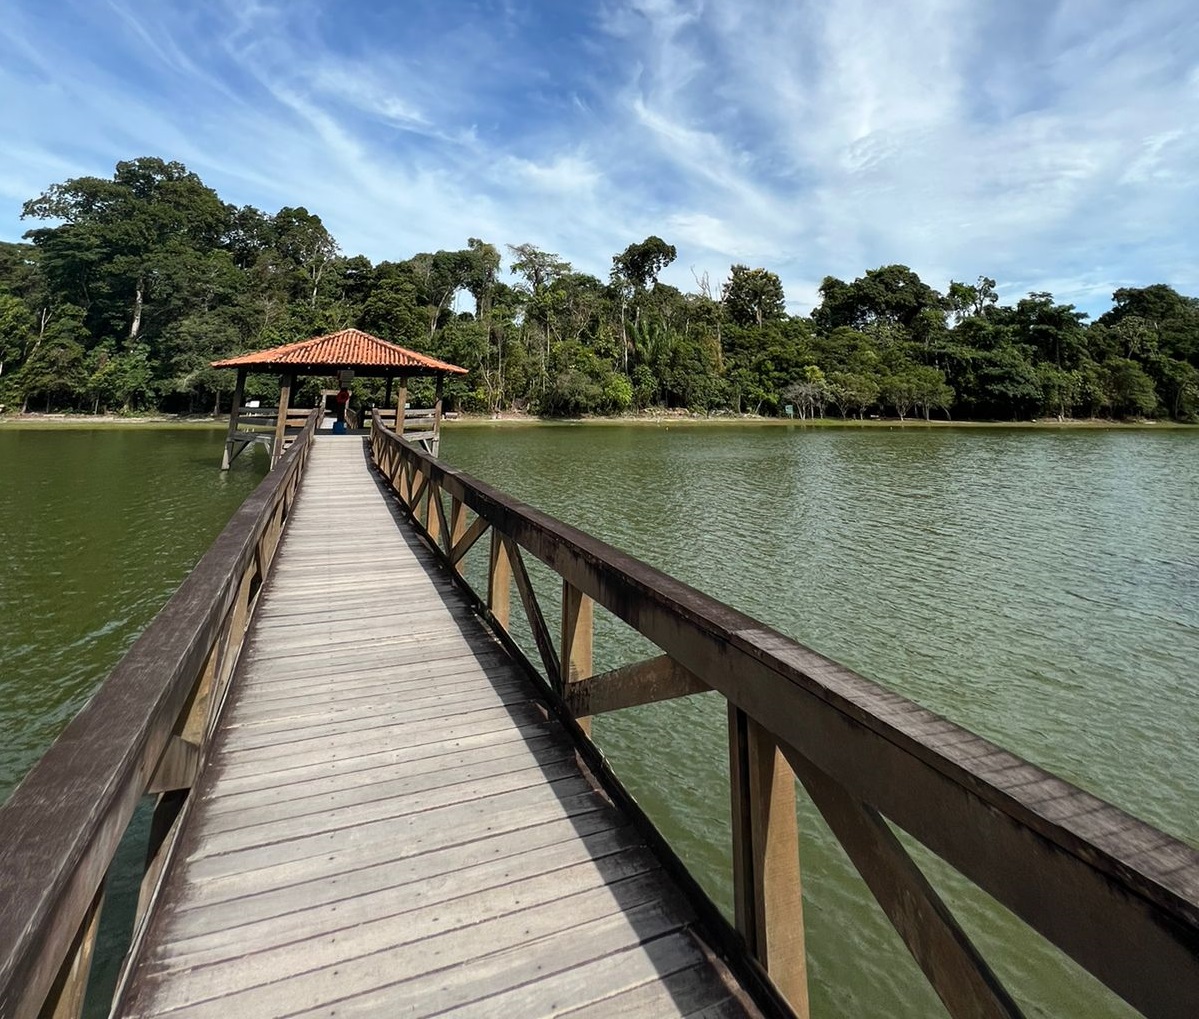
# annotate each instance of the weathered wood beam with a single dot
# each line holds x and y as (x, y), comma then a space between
(436, 440)
(177, 767)
(285, 383)
(499, 580)
(578, 635)
(958, 973)
(467, 539)
(69, 990)
(768, 903)
(239, 389)
(401, 403)
(435, 522)
(541, 632)
(655, 679)
(415, 492)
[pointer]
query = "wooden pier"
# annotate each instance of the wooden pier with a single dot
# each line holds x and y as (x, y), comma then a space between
(389, 825)
(369, 801)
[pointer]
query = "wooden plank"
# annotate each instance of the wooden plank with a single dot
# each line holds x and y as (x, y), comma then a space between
(415, 880)
(69, 990)
(307, 937)
(645, 682)
(499, 580)
(404, 736)
(415, 792)
(541, 634)
(683, 993)
(321, 856)
(535, 748)
(285, 383)
(465, 541)
(355, 814)
(338, 759)
(394, 974)
(539, 980)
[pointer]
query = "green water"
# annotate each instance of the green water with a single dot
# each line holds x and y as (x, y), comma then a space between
(98, 526)
(1039, 587)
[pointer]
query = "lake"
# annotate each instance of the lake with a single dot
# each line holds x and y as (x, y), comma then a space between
(1038, 586)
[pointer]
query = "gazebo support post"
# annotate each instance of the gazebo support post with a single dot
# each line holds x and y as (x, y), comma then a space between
(387, 393)
(437, 414)
(285, 384)
(401, 403)
(239, 390)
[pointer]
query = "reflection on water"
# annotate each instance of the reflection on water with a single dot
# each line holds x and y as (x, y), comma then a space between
(1039, 587)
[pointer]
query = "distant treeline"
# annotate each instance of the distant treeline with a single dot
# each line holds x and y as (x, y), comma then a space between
(137, 282)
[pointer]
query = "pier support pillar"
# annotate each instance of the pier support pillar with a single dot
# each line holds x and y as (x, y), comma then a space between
(285, 384)
(436, 444)
(239, 391)
(401, 403)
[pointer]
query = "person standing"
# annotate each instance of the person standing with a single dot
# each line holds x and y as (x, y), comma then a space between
(342, 402)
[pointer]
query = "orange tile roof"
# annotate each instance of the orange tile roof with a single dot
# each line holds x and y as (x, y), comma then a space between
(350, 348)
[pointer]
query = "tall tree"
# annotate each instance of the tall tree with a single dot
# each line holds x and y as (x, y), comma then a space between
(752, 296)
(121, 241)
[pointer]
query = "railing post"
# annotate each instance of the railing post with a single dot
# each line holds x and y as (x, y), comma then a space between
(768, 904)
(435, 445)
(285, 382)
(457, 530)
(577, 636)
(499, 580)
(401, 403)
(432, 504)
(239, 390)
(66, 997)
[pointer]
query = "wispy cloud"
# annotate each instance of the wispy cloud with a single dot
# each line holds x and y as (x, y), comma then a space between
(1050, 145)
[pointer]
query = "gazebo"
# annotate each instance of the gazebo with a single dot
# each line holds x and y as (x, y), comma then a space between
(344, 354)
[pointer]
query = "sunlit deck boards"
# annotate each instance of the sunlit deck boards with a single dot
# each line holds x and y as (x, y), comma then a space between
(388, 824)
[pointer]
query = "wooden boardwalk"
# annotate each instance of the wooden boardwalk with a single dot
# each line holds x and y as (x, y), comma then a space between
(389, 825)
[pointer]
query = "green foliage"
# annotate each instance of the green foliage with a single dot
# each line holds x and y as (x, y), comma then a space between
(752, 296)
(132, 285)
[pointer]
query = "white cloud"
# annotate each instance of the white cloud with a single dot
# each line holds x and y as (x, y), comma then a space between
(1051, 147)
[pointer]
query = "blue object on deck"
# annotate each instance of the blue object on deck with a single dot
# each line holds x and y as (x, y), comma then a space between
(339, 428)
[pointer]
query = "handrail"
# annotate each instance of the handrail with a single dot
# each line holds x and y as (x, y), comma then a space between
(1116, 894)
(145, 730)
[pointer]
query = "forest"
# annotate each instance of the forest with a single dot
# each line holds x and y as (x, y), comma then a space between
(127, 287)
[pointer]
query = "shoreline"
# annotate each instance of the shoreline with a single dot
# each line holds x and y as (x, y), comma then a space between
(511, 420)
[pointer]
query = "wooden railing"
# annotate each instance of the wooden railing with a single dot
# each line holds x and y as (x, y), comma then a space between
(145, 732)
(421, 425)
(1116, 894)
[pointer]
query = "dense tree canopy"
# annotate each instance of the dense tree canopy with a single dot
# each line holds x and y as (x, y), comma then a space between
(130, 286)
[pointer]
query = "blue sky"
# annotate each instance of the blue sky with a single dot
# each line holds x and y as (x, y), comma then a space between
(1052, 146)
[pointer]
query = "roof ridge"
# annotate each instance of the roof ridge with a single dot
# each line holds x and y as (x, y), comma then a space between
(350, 347)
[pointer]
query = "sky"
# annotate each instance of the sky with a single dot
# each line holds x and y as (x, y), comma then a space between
(1052, 146)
